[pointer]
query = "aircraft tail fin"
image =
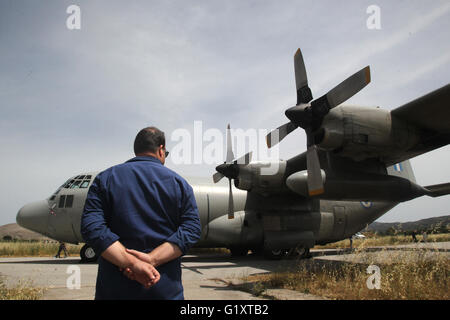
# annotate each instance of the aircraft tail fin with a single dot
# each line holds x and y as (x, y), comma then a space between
(402, 170)
(438, 190)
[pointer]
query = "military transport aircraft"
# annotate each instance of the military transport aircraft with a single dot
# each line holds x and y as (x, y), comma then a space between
(354, 170)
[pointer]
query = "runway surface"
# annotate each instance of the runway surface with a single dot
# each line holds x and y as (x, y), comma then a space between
(205, 277)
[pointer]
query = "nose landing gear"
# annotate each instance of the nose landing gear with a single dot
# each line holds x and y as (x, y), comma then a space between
(88, 254)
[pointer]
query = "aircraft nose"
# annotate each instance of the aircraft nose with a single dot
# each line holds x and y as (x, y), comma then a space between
(34, 216)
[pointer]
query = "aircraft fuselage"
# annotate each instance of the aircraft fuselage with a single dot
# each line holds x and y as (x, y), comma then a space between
(59, 216)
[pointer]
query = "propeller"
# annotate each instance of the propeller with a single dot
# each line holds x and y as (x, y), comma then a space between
(309, 115)
(230, 169)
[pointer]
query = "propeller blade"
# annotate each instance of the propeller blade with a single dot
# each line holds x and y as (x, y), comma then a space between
(217, 177)
(315, 182)
(275, 136)
(245, 159)
(349, 87)
(304, 94)
(230, 155)
(230, 202)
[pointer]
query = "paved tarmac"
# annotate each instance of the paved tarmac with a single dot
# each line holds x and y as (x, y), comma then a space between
(205, 277)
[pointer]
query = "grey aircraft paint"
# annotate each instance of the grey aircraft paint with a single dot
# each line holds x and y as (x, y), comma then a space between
(335, 220)
(355, 169)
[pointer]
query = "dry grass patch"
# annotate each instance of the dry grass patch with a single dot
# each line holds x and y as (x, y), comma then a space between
(421, 279)
(22, 291)
(35, 249)
(375, 241)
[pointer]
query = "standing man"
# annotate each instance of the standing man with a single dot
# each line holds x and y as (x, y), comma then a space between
(62, 247)
(140, 215)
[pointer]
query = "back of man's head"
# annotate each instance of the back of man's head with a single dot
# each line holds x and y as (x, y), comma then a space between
(148, 140)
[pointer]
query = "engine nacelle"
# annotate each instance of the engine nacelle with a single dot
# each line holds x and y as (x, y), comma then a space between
(262, 177)
(298, 182)
(364, 186)
(245, 228)
(362, 132)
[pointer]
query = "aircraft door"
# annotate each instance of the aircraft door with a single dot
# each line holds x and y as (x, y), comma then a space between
(59, 221)
(75, 214)
(340, 222)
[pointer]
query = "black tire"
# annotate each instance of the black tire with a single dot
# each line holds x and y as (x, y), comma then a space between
(274, 254)
(300, 252)
(88, 254)
(238, 252)
(307, 254)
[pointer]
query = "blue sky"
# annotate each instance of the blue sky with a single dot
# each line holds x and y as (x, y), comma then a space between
(73, 100)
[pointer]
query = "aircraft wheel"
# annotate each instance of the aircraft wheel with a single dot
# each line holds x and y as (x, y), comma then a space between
(272, 254)
(88, 254)
(300, 252)
(238, 252)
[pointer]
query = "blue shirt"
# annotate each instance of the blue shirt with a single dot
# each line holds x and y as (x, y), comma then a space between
(142, 204)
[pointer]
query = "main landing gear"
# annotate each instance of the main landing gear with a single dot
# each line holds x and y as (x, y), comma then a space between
(273, 254)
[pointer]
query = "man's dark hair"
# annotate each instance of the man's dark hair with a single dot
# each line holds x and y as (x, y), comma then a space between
(148, 140)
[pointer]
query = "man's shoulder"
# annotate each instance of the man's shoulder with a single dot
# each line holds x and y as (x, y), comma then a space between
(150, 166)
(177, 177)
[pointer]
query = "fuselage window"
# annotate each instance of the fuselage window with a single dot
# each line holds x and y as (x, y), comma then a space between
(62, 200)
(69, 201)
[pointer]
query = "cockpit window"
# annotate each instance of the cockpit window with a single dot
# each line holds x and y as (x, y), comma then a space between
(68, 184)
(75, 184)
(84, 184)
(81, 181)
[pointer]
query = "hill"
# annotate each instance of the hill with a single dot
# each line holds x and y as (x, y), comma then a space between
(437, 223)
(14, 231)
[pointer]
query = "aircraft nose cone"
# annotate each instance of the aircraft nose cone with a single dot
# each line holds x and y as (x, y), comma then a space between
(301, 115)
(34, 216)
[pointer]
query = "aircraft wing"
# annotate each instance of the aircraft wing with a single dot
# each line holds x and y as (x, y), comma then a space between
(431, 115)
